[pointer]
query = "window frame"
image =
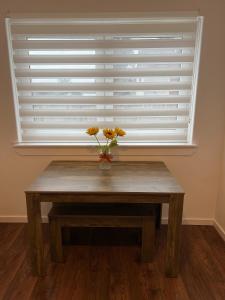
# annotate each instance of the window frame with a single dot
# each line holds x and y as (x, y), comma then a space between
(198, 43)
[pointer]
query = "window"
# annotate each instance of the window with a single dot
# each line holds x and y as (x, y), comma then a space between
(136, 73)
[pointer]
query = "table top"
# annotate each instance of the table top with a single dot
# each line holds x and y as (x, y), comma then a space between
(123, 177)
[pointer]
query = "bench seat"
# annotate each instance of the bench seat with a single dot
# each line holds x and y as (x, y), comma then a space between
(121, 215)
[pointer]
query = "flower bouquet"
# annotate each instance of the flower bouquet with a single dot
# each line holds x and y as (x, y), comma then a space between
(111, 136)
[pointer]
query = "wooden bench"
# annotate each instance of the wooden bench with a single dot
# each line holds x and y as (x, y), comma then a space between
(103, 215)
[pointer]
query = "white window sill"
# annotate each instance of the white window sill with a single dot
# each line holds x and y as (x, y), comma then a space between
(84, 151)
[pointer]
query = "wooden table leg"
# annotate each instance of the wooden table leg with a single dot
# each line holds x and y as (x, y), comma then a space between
(35, 234)
(173, 235)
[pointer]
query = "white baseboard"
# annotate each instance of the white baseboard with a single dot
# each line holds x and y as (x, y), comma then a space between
(192, 221)
(219, 229)
(18, 219)
(186, 221)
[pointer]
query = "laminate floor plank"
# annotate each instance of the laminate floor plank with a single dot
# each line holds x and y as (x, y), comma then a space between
(99, 274)
(118, 285)
(108, 272)
(199, 266)
(12, 254)
(216, 244)
(46, 287)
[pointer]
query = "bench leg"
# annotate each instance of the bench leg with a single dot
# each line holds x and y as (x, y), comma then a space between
(56, 241)
(148, 239)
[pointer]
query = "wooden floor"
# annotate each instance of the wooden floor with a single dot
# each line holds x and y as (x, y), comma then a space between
(106, 272)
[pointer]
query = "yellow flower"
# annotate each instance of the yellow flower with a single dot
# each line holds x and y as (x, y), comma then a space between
(92, 130)
(120, 131)
(109, 133)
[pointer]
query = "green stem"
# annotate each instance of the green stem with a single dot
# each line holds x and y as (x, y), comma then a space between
(107, 150)
(97, 141)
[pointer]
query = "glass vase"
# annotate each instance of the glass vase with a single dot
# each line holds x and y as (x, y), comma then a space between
(105, 160)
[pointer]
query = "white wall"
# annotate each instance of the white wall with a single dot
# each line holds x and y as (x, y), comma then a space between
(198, 173)
(220, 205)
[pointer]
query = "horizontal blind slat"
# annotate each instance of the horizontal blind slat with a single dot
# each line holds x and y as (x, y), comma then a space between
(104, 112)
(163, 137)
(104, 100)
(81, 60)
(92, 73)
(106, 29)
(106, 44)
(106, 124)
(103, 87)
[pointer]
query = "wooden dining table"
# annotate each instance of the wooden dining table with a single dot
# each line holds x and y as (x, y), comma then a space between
(126, 182)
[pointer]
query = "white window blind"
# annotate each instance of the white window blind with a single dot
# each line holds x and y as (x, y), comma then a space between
(136, 73)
